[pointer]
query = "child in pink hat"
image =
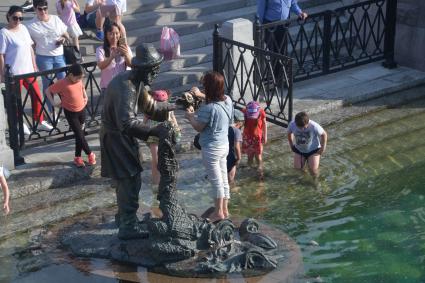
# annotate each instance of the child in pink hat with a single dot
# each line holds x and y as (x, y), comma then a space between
(152, 142)
(254, 134)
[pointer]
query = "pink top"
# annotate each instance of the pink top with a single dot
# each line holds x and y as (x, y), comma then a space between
(67, 13)
(117, 66)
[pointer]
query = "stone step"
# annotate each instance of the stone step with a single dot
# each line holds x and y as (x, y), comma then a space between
(138, 6)
(153, 33)
(177, 78)
(190, 58)
(53, 196)
(65, 174)
(24, 221)
(191, 11)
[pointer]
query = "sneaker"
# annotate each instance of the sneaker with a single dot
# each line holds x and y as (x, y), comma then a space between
(26, 129)
(92, 159)
(45, 126)
(100, 35)
(27, 6)
(78, 161)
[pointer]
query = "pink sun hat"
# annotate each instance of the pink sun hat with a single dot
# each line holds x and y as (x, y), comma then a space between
(160, 95)
(253, 110)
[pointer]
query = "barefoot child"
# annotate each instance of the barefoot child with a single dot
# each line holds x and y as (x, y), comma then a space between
(254, 134)
(73, 101)
(152, 142)
(5, 189)
(235, 145)
(307, 140)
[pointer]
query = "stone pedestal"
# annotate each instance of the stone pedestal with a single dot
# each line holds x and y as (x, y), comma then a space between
(410, 34)
(240, 30)
(6, 154)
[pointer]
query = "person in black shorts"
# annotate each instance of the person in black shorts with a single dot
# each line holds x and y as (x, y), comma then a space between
(235, 145)
(307, 140)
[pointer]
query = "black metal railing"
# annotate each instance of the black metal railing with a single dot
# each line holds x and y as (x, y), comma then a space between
(27, 106)
(250, 74)
(331, 41)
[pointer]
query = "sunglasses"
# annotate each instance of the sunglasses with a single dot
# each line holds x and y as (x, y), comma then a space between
(42, 8)
(15, 18)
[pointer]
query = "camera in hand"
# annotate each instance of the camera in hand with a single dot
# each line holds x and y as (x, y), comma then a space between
(188, 99)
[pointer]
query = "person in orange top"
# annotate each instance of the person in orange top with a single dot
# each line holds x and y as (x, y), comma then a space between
(73, 101)
(254, 134)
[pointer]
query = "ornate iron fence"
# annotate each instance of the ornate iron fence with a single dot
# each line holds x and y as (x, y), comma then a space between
(331, 41)
(250, 73)
(29, 107)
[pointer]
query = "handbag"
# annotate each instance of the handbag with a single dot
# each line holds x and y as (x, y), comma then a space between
(72, 54)
(196, 141)
(169, 43)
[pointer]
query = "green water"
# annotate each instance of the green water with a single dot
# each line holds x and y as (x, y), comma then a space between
(363, 221)
(367, 212)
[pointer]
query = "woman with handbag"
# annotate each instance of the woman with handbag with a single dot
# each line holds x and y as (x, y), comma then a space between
(15, 50)
(212, 121)
(48, 33)
(114, 56)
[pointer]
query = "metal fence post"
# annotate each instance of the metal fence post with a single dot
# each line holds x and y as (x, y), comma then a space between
(258, 42)
(390, 29)
(327, 41)
(290, 90)
(13, 119)
(217, 50)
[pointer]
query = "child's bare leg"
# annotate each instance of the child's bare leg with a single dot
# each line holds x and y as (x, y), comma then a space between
(250, 159)
(155, 210)
(299, 161)
(154, 162)
(260, 168)
(313, 165)
(231, 175)
(100, 20)
(76, 42)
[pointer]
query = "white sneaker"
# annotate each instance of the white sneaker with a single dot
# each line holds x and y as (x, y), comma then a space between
(26, 129)
(28, 6)
(45, 126)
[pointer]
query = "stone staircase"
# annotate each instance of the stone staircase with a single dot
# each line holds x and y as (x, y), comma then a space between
(194, 21)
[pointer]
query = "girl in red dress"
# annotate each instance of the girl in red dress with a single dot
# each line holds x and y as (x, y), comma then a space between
(254, 134)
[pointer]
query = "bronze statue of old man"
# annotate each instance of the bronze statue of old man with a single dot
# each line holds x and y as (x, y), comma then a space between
(126, 95)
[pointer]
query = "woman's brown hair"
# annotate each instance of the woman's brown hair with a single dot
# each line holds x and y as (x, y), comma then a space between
(214, 86)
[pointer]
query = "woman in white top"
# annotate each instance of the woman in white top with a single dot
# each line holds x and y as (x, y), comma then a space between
(114, 56)
(48, 33)
(16, 51)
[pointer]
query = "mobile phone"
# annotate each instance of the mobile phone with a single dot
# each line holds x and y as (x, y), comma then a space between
(122, 41)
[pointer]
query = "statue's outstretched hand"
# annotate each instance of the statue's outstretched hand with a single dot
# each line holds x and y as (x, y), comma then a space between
(171, 107)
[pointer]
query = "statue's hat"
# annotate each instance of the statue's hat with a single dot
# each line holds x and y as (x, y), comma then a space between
(146, 56)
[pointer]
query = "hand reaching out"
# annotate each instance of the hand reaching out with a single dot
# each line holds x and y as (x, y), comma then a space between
(6, 208)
